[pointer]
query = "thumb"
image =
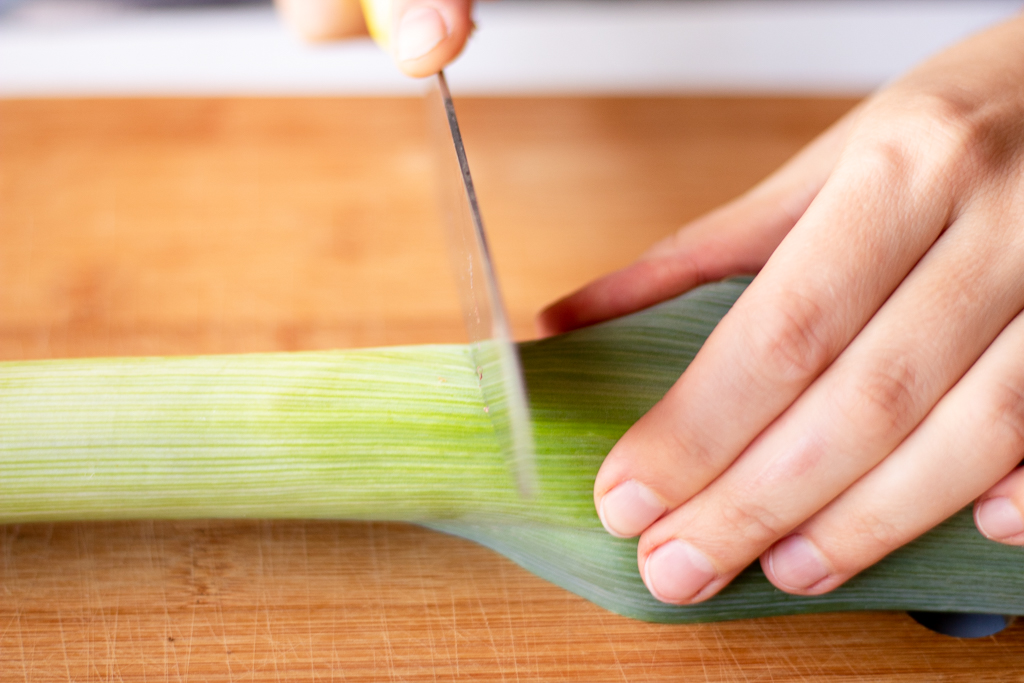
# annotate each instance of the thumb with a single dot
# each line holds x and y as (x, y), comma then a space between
(423, 36)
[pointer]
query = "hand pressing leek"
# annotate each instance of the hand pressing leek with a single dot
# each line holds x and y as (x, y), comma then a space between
(400, 434)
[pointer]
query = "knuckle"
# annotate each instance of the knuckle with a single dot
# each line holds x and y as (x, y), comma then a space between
(700, 452)
(1006, 407)
(791, 344)
(877, 535)
(930, 138)
(753, 522)
(885, 157)
(882, 399)
(946, 121)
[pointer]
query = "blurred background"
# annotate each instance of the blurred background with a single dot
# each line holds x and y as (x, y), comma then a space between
(239, 47)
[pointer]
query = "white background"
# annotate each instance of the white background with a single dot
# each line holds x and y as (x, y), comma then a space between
(521, 47)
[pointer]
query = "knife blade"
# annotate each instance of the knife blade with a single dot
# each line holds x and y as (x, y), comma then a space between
(494, 355)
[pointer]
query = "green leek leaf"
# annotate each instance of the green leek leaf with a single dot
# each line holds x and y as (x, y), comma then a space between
(401, 434)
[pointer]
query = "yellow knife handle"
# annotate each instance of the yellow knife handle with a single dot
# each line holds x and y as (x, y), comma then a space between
(377, 14)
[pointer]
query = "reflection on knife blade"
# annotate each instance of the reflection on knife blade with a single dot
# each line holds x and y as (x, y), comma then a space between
(497, 361)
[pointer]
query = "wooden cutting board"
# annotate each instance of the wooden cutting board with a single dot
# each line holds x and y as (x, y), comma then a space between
(214, 226)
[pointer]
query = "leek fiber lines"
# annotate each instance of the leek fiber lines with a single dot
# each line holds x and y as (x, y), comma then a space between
(401, 434)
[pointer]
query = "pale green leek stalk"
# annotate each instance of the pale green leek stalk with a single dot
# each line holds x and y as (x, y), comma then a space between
(401, 434)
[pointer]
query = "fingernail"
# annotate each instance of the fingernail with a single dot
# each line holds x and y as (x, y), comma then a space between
(420, 31)
(999, 518)
(797, 563)
(676, 571)
(628, 509)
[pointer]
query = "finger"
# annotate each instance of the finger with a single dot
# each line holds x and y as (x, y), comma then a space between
(972, 438)
(999, 514)
(428, 34)
(918, 345)
(870, 224)
(735, 239)
(321, 20)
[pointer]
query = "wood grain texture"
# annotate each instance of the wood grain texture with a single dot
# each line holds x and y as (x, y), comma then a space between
(210, 226)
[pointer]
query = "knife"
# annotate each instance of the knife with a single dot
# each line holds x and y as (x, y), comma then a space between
(494, 355)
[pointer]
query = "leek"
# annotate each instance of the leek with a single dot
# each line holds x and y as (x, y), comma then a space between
(401, 434)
